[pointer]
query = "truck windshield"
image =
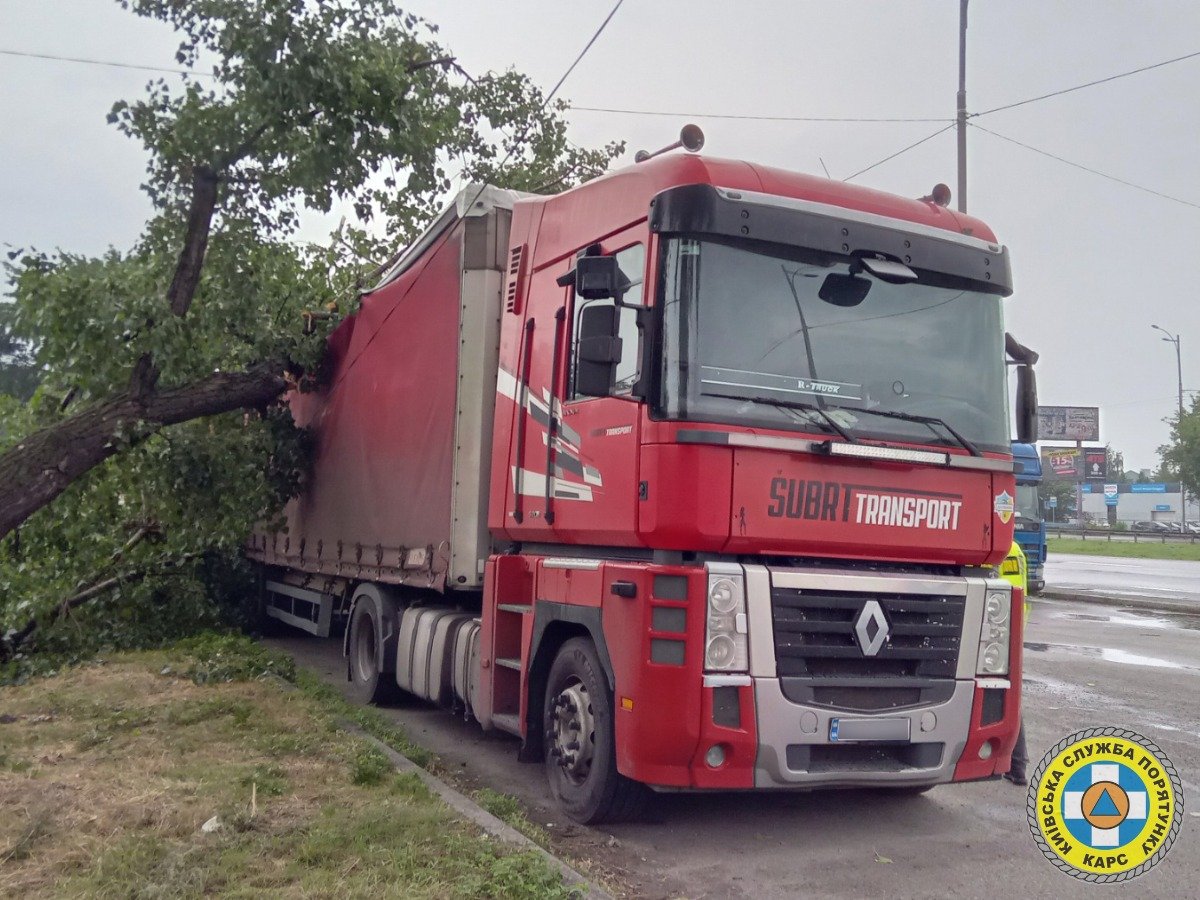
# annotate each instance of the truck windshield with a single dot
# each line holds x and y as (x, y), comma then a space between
(746, 328)
(1027, 502)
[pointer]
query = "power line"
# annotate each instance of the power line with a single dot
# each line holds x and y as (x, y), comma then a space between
(102, 62)
(1075, 165)
(1140, 401)
(554, 90)
(738, 116)
(1080, 87)
(513, 144)
(899, 152)
(841, 119)
(583, 52)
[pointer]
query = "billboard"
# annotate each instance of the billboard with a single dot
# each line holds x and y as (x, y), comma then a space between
(1075, 463)
(1062, 462)
(1068, 423)
(1095, 464)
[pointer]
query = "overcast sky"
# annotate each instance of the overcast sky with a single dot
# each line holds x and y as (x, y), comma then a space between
(1095, 262)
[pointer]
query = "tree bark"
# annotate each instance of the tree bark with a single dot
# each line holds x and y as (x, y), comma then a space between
(41, 466)
(191, 258)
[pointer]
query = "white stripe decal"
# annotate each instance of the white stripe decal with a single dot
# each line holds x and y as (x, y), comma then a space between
(506, 384)
(533, 484)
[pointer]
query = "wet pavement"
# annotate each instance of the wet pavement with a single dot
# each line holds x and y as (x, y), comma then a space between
(1157, 582)
(1086, 665)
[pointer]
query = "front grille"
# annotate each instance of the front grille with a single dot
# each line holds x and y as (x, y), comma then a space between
(815, 635)
(867, 757)
(1033, 552)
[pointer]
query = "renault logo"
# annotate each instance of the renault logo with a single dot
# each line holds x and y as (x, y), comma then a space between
(871, 628)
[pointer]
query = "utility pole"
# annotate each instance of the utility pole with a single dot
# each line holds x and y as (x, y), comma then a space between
(1174, 339)
(962, 106)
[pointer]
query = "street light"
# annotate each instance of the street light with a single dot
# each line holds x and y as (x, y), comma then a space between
(1174, 339)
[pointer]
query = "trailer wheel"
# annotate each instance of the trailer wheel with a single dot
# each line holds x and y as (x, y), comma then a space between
(581, 762)
(371, 648)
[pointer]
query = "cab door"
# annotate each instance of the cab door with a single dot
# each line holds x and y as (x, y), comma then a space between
(595, 446)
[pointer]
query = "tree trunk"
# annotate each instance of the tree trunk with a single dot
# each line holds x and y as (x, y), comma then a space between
(41, 466)
(191, 258)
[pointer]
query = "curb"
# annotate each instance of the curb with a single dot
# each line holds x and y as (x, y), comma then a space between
(468, 808)
(1149, 604)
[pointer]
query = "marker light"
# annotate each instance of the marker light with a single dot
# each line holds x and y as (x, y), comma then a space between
(899, 454)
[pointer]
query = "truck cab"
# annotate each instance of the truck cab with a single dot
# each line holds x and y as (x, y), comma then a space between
(755, 423)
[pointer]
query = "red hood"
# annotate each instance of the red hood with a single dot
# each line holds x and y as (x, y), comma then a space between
(811, 505)
(774, 500)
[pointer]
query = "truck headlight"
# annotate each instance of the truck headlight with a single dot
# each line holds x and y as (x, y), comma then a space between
(998, 607)
(994, 633)
(725, 647)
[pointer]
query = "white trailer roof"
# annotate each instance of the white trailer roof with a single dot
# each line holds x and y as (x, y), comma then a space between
(472, 200)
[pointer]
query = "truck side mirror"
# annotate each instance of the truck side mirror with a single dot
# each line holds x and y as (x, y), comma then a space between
(596, 278)
(1027, 405)
(598, 351)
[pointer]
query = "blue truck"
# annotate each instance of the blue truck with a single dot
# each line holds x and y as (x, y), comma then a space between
(1030, 526)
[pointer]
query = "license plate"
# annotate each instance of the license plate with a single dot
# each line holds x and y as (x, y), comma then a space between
(843, 731)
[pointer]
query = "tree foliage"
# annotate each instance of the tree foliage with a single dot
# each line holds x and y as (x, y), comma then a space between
(19, 374)
(1181, 457)
(291, 105)
(1064, 494)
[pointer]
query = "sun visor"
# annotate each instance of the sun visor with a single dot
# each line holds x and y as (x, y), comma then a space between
(702, 209)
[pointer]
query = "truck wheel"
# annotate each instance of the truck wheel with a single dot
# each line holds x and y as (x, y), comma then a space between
(371, 649)
(257, 621)
(581, 761)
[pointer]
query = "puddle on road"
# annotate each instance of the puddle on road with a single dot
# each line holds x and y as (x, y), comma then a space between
(1126, 620)
(1109, 655)
(1129, 618)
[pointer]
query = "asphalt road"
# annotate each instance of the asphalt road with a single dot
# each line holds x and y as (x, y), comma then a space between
(1140, 581)
(1086, 665)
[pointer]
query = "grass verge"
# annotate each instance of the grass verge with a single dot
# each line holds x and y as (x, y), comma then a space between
(1147, 549)
(110, 771)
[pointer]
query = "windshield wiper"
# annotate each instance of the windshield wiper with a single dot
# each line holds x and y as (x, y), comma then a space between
(930, 421)
(791, 404)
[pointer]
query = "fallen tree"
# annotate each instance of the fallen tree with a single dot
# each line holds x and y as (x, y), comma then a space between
(284, 108)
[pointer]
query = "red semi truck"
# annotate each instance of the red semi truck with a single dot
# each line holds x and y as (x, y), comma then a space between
(692, 477)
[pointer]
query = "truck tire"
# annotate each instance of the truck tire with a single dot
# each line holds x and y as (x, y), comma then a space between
(371, 647)
(581, 759)
(258, 623)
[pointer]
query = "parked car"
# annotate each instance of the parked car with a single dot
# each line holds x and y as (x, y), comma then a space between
(1151, 527)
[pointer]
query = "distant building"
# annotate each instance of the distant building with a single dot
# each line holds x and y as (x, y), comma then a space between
(1147, 502)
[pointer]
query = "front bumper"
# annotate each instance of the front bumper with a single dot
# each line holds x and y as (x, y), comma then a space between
(800, 745)
(822, 745)
(1037, 578)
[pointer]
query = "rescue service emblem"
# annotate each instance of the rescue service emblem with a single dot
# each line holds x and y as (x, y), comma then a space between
(1105, 805)
(1004, 506)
